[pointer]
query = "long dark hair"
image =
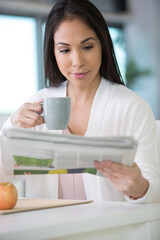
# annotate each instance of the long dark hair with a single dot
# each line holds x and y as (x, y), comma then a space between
(88, 13)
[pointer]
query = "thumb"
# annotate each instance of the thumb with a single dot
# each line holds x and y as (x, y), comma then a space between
(40, 101)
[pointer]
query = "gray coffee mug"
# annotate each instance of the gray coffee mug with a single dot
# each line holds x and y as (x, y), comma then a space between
(56, 111)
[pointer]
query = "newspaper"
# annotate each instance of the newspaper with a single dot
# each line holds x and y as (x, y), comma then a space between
(27, 151)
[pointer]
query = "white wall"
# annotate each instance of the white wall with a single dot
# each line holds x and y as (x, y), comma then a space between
(143, 39)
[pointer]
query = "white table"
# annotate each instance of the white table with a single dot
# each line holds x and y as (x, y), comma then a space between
(98, 220)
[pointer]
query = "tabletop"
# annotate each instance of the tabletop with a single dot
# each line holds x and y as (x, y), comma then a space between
(71, 220)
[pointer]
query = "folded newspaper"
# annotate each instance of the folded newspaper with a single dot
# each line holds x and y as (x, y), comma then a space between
(33, 152)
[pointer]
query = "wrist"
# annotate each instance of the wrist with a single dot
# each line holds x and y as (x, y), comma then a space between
(141, 191)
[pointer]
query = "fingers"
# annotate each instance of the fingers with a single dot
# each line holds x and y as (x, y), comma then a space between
(31, 119)
(127, 180)
(104, 171)
(125, 175)
(35, 107)
(40, 101)
(109, 168)
(27, 122)
(115, 169)
(28, 115)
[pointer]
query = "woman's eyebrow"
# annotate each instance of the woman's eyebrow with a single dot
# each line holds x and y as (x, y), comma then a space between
(62, 43)
(85, 40)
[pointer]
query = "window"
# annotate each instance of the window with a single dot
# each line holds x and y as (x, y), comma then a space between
(117, 36)
(18, 70)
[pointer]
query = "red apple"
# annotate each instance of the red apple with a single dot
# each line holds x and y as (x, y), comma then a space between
(8, 195)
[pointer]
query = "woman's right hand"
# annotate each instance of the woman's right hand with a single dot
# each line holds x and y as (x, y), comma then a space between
(28, 115)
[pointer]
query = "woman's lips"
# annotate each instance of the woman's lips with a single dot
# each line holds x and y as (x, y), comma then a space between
(79, 75)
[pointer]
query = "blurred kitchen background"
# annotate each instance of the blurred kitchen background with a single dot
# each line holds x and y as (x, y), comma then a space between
(135, 30)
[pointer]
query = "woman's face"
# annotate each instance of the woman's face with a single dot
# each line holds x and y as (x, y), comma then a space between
(78, 52)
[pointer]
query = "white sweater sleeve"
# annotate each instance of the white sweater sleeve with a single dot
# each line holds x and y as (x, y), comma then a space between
(6, 124)
(147, 154)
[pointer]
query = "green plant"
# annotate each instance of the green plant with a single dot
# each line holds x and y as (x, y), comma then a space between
(133, 72)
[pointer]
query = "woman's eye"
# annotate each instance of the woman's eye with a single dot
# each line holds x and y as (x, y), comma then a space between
(64, 51)
(88, 47)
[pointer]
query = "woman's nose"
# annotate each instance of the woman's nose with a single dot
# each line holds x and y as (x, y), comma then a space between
(78, 59)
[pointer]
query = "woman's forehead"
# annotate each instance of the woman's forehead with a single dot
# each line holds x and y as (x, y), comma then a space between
(73, 28)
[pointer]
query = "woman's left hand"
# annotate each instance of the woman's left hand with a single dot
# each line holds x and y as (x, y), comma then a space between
(127, 180)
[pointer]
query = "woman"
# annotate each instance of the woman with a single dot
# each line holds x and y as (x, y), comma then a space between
(80, 63)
